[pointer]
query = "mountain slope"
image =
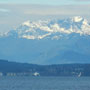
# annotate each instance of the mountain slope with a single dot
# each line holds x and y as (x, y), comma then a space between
(48, 42)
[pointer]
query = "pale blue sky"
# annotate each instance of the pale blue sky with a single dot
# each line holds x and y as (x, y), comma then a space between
(47, 2)
(14, 12)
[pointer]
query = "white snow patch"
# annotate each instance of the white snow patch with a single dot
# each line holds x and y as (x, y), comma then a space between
(77, 19)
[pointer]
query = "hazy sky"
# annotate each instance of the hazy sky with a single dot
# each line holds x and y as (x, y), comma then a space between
(14, 12)
(50, 2)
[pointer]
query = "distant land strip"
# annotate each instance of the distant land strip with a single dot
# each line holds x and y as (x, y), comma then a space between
(8, 68)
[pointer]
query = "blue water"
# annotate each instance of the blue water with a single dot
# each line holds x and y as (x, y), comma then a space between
(44, 83)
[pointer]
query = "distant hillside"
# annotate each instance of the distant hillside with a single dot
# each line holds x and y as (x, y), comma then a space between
(48, 42)
(14, 68)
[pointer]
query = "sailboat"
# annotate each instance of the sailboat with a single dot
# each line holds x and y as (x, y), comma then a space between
(80, 74)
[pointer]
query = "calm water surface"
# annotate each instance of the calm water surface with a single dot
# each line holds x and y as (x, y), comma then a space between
(44, 83)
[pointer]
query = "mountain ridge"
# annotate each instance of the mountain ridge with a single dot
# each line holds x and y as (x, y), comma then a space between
(39, 46)
(46, 28)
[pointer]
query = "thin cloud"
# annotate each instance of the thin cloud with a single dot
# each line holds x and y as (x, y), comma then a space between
(4, 10)
(20, 13)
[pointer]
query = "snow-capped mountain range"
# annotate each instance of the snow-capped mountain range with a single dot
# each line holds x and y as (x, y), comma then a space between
(48, 42)
(45, 29)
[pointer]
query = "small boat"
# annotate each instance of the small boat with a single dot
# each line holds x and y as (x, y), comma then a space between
(36, 74)
(80, 74)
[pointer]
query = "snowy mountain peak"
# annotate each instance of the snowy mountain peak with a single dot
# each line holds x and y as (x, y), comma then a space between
(27, 23)
(77, 19)
(53, 29)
